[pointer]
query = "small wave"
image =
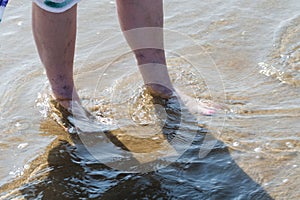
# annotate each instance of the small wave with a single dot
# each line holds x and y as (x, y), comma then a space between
(284, 61)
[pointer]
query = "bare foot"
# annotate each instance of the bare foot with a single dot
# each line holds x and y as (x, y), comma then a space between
(73, 107)
(194, 106)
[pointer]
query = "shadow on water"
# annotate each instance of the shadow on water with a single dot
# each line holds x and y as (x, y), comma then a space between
(72, 173)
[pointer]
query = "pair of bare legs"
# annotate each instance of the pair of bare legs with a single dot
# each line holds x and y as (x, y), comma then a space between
(55, 36)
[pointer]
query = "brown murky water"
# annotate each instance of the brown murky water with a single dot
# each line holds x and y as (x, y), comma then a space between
(241, 54)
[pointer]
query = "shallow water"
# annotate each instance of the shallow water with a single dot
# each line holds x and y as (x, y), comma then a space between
(248, 54)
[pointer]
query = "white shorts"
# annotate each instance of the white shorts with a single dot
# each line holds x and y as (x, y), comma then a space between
(56, 6)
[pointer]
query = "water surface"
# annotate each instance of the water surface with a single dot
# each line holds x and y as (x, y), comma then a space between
(253, 44)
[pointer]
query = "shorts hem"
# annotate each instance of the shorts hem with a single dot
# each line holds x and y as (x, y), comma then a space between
(54, 7)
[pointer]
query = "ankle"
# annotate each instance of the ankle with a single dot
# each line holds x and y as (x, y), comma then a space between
(65, 98)
(157, 90)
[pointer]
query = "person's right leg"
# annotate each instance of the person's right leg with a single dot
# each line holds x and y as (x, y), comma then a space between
(55, 35)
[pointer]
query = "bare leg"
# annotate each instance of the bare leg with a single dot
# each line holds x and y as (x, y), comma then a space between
(135, 14)
(55, 36)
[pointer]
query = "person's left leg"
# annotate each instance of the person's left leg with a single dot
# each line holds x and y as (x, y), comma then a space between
(142, 24)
